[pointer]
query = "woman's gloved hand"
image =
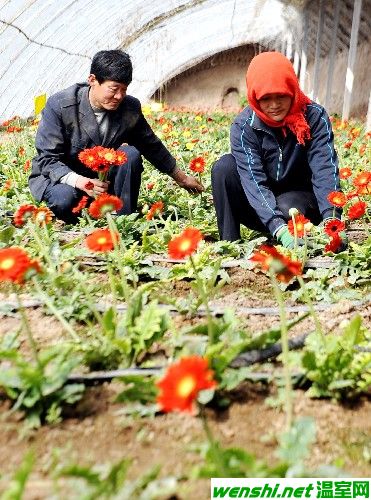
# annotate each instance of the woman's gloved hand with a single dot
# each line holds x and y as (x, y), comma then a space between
(286, 239)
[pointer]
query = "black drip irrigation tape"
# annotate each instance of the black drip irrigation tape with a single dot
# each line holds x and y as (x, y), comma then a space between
(314, 263)
(215, 311)
(243, 360)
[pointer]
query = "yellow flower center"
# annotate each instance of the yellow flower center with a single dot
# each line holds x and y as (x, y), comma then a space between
(185, 245)
(186, 386)
(7, 263)
(101, 240)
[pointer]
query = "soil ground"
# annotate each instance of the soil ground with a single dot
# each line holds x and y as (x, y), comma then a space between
(96, 431)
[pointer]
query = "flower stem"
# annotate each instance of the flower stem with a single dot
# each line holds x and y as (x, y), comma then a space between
(310, 305)
(218, 459)
(55, 311)
(117, 250)
(27, 328)
(204, 300)
(285, 351)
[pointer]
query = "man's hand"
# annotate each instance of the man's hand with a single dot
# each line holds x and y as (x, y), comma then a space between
(188, 182)
(92, 187)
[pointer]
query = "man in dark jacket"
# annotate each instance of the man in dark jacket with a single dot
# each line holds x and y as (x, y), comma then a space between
(282, 157)
(98, 113)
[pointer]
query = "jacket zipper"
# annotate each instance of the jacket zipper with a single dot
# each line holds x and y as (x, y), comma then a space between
(280, 150)
(279, 163)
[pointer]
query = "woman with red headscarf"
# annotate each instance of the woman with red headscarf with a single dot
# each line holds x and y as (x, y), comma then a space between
(282, 156)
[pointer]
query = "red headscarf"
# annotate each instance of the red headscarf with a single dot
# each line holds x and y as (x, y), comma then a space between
(273, 73)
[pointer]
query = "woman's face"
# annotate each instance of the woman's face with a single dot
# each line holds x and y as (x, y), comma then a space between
(275, 106)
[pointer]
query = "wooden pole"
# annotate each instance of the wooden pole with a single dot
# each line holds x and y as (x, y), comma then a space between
(317, 57)
(349, 79)
(332, 55)
(368, 122)
(303, 57)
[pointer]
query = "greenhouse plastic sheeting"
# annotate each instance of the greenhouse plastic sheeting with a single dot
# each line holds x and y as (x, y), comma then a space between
(47, 45)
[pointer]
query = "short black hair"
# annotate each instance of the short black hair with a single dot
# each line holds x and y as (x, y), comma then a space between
(112, 65)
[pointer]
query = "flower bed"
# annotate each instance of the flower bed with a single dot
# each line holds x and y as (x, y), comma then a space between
(186, 305)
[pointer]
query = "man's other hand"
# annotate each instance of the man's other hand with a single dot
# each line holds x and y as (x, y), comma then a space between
(188, 182)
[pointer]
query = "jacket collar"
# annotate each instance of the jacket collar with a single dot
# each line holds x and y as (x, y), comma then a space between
(255, 122)
(89, 122)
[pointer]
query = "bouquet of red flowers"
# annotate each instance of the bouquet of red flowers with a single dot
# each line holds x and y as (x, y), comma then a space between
(100, 159)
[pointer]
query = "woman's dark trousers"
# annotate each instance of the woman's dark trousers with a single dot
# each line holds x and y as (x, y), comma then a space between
(233, 209)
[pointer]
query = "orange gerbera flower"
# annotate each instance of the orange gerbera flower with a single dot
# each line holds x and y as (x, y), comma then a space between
(183, 381)
(81, 204)
(120, 158)
(42, 216)
(357, 210)
(27, 165)
(89, 158)
(185, 244)
(104, 204)
(345, 173)
(155, 209)
(333, 226)
(364, 190)
(197, 165)
(362, 179)
(300, 222)
(7, 185)
(108, 155)
(268, 258)
(101, 240)
(22, 214)
(15, 264)
(337, 198)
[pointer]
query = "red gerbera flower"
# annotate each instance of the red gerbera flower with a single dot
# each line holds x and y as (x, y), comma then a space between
(333, 226)
(101, 240)
(334, 244)
(27, 165)
(15, 264)
(42, 216)
(185, 244)
(81, 204)
(197, 165)
(22, 214)
(300, 222)
(155, 209)
(268, 258)
(362, 179)
(105, 203)
(183, 381)
(150, 186)
(89, 186)
(352, 194)
(357, 210)
(337, 198)
(345, 173)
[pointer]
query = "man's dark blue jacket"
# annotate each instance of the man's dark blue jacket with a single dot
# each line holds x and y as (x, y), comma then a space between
(270, 164)
(68, 126)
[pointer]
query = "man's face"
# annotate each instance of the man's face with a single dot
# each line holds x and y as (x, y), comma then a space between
(275, 106)
(106, 95)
